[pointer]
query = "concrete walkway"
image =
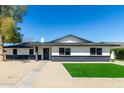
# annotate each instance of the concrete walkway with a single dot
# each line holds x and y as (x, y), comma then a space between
(119, 63)
(54, 75)
(27, 81)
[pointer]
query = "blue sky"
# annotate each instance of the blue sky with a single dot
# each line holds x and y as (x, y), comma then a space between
(96, 23)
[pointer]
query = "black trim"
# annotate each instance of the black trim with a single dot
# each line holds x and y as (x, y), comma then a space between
(80, 58)
(45, 53)
(39, 57)
(61, 58)
(30, 57)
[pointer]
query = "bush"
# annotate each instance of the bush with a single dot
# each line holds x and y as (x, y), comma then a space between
(119, 52)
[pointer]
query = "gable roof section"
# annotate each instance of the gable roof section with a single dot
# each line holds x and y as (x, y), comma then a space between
(70, 39)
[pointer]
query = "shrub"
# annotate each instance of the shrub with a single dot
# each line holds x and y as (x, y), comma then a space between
(119, 52)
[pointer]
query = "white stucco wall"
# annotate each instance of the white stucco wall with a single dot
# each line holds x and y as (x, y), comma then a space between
(23, 51)
(54, 51)
(9, 51)
(40, 50)
(80, 51)
(106, 51)
(20, 51)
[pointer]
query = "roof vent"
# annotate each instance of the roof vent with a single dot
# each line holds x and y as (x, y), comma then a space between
(42, 40)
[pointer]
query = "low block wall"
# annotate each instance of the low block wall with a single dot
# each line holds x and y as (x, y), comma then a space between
(30, 57)
(80, 58)
(20, 57)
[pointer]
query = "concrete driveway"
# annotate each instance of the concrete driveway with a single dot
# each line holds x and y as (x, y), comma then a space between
(50, 75)
(54, 75)
(19, 73)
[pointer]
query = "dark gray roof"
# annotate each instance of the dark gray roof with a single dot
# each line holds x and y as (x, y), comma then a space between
(82, 42)
(24, 45)
(30, 45)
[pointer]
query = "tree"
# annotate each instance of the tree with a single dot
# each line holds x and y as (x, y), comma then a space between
(10, 16)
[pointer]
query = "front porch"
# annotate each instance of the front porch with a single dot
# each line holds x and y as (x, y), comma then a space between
(34, 53)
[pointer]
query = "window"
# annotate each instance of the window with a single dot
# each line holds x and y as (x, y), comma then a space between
(95, 51)
(92, 51)
(67, 51)
(36, 49)
(14, 51)
(99, 51)
(61, 51)
(64, 51)
(31, 51)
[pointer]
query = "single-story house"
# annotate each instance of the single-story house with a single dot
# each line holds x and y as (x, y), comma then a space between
(67, 48)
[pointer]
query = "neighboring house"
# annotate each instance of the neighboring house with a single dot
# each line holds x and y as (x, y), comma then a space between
(67, 48)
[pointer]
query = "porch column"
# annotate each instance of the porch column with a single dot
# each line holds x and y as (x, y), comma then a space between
(36, 53)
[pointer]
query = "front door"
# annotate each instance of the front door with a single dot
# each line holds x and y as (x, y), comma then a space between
(45, 53)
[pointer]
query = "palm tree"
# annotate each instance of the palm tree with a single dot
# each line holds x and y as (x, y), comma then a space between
(10, 16)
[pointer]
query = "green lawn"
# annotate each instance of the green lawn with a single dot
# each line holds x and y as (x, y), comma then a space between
(95, 70)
